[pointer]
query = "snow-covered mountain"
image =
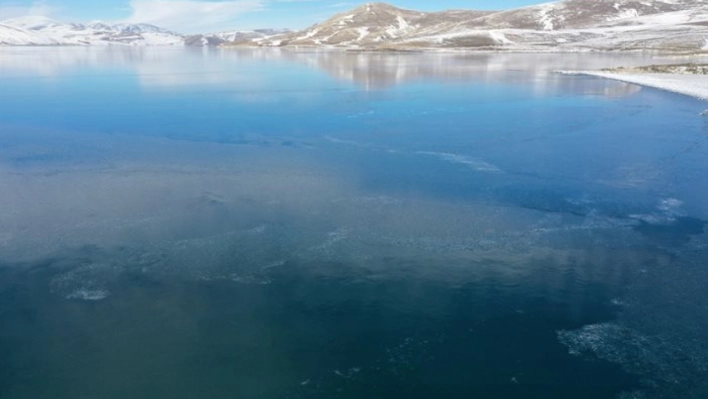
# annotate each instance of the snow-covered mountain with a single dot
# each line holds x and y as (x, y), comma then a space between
(569, 25)
(45, 31)
(575, 14)
(10, 35)
(564, 25)
(237, 36)
(372, 24)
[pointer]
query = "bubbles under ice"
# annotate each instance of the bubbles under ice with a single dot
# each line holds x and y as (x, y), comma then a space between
(667, 211)
(89, 294)
(349, 373)
(657, 359)
(87, 282)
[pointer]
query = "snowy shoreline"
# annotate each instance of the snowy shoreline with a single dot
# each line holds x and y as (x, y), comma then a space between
(690, 85)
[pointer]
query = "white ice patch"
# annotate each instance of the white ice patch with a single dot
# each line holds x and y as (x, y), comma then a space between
(691, 85)
(667, 212)
(379, 200)
(334, 237)
(260, 229)
(88, 282)
(88, 295)
(341, 141)
(476, 164)
(250, 278)
(595, 339)
(671, 206)
(592, 221)
(651, 218)
(349, 373)
(248, 275)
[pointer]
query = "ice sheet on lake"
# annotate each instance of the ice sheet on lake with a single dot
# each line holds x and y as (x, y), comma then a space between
(692, 85)
(661, 330)
(652, 357)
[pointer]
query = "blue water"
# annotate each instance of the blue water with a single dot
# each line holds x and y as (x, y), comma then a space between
(283, 224)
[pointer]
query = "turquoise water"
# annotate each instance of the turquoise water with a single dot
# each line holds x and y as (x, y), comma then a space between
(267, 224)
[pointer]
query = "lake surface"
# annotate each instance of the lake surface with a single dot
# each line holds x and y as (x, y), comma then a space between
(280, 224)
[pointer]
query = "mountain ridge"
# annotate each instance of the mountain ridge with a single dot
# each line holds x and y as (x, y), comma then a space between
(38, 30)
(569, 25)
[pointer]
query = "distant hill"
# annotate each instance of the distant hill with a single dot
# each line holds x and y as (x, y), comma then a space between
(44, 31)
(578, 14)
(375, 24)
(564, 25)
(36, 30)
(237, 36)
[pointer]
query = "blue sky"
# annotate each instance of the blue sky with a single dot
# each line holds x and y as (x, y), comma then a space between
(191, 16)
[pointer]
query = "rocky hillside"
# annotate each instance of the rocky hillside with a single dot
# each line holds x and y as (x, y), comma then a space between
(578, 14)
(374, 24)
(571, 25)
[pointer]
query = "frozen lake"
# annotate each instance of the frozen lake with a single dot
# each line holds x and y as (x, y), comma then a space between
(283, 224)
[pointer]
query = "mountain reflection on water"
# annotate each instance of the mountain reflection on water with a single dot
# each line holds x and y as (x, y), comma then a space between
(158, 66)
(282, 224)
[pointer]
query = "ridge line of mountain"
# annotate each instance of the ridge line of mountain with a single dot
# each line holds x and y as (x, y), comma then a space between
(568, 25)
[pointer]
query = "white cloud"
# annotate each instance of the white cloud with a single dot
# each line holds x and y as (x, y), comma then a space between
(190, 16)
(37, 8)
(341, 5)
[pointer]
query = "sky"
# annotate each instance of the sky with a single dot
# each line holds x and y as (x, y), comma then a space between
(202, 16)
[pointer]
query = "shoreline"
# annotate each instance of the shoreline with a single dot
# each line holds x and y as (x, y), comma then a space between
(687, 84)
